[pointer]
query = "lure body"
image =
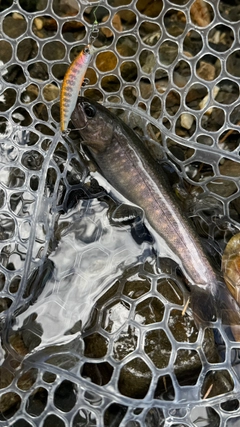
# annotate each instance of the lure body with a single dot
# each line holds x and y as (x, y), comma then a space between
(72, 83)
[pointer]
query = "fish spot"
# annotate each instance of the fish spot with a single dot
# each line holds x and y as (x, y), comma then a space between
(67, 100)
(74, 70)
(71, 82)
(68, 91)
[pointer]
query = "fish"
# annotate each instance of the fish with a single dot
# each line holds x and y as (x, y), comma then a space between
(72, 83)
(125, 162)
(127, 165)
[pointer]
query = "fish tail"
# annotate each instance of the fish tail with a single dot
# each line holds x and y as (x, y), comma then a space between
(203, 305)
(208, 307)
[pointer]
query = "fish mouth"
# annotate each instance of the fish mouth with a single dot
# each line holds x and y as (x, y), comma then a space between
(78, 116)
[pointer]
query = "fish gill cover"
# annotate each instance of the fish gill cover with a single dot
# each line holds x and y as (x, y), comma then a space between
(93, 333)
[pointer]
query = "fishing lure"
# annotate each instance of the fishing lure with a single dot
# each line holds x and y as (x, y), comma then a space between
(72, 83)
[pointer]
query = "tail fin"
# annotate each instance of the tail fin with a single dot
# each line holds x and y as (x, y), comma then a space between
(203, 305)
(207, 308)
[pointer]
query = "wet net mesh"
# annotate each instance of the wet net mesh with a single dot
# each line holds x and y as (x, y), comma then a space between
(92, 333)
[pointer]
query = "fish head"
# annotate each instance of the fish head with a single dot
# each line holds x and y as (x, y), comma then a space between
(89, 50)
(94, 123)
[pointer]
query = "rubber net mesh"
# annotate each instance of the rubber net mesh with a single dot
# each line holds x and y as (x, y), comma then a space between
(92, 333)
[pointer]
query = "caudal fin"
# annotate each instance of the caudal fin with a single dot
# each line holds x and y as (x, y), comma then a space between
(207, 308)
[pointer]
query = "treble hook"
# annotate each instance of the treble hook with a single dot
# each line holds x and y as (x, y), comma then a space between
(94, 33)
(94, 30)
(85, 82)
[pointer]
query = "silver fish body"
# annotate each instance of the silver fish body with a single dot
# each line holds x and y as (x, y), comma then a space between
(131, 170)
(128, 166)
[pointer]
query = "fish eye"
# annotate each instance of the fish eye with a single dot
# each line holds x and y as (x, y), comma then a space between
(89, 110)
(86, 50)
